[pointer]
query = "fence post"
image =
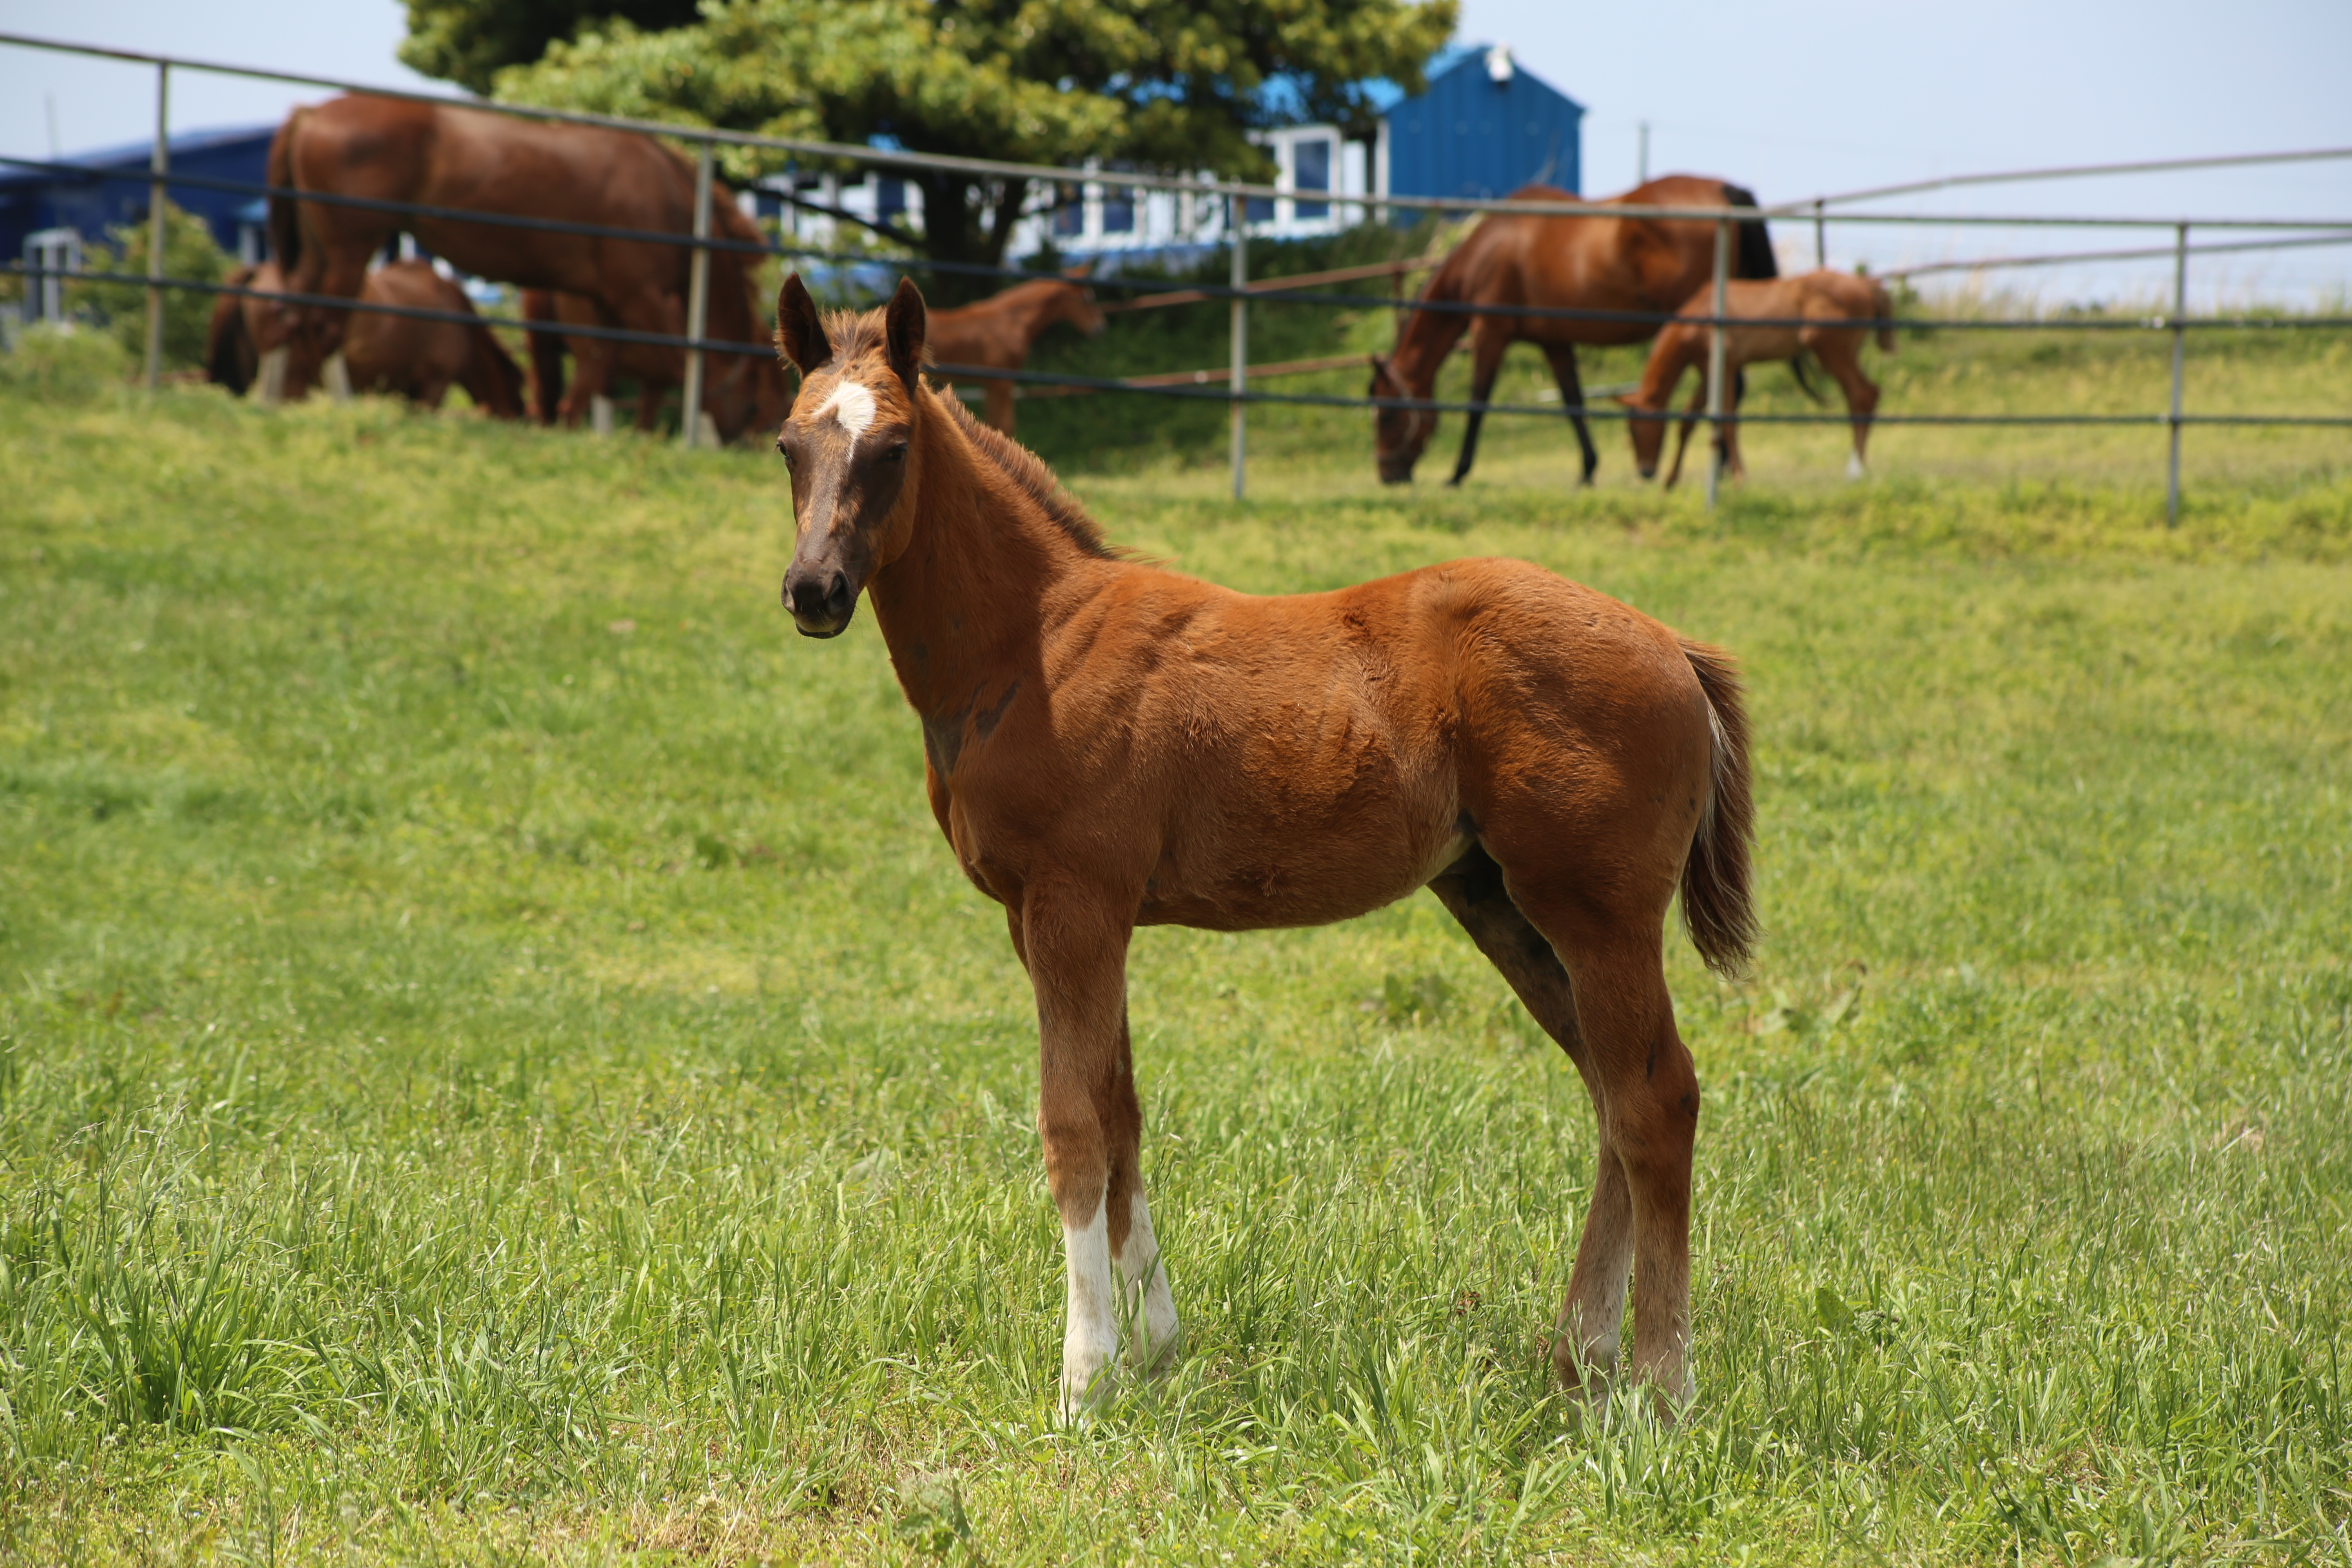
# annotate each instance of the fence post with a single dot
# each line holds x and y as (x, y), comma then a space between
(1239, 379)
(159, 163)
(1821, 235)
(698, 299)
(2180, 347)
(1715, 362)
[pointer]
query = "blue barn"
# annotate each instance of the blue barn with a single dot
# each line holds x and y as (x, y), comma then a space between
(92, 202)
(1486, 127)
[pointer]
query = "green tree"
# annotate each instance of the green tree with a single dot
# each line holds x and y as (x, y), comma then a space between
(470, 41)
(1167, 84)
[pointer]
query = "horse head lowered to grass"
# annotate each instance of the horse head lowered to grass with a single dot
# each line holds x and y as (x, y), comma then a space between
(1621, 265)
(1110, 744)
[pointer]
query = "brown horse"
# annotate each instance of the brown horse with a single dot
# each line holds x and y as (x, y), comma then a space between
(392, 150)
(1109, 744)
(1823, 300)
(419, 360)
(1617, 262)
(739, 392)
(1000, 331)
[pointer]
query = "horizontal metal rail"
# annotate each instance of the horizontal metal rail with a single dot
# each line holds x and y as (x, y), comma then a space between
(1161, 387)
(987, 168)
(2148, 253)
(416, 312)
(1183, 383)
(2077, 171)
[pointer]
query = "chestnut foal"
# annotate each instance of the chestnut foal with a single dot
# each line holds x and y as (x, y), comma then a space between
(1110, 744)
(1000, 331)
(1823, 313)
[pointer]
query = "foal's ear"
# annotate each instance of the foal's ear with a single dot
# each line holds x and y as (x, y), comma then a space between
(903, 329)
(799, 336)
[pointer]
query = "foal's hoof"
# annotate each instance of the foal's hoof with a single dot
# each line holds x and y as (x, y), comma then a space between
(1086, 1390)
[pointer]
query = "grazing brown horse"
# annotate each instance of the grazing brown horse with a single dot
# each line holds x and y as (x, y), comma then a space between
(1824, 301)
(1109, 744)
(419, 360)
(1001, 329)
(437, 155)
(740, 392)
(1618, 262)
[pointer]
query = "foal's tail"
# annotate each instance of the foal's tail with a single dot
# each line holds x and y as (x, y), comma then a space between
(1882, 305)
(1716, 907)
(1798, 364)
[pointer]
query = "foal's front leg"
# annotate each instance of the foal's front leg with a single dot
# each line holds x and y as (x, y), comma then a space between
(1092, 1127)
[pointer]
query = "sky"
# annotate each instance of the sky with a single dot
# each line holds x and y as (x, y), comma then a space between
(1791, 100)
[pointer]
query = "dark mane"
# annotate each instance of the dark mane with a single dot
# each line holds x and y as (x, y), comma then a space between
(1025, 468)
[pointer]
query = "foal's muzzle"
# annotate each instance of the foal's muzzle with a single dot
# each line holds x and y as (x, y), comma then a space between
(820, 599)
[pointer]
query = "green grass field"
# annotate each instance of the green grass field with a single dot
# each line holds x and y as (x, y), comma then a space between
(496, 1064)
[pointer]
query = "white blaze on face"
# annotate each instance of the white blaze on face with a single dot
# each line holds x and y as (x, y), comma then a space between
(852, 406)
(1152, 1320)
(1090, 1341)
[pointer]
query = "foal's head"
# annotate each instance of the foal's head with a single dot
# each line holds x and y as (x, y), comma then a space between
(1075, 303)
(1647, 426)
(1400, 434)
(848, 442)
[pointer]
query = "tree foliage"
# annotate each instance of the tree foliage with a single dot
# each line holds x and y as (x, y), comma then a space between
(470, 41)
(1167, 84)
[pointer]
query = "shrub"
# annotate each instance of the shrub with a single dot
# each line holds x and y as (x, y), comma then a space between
(188, 252)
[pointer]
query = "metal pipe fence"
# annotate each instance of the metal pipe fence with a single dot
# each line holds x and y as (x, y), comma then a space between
(1232, 198)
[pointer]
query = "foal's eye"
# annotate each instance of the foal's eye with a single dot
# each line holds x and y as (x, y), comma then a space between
(895, 454)
(789, 461)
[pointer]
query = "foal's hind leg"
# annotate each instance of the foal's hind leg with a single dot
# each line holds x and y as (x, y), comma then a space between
(1584, 1351)
(1610, 942)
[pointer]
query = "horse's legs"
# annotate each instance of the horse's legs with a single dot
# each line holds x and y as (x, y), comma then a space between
(343, 275)
(1571, 397)
(1487, 346)
(1612, 943)
(1838, 357)
(1584, 1351)
(592, 375)
(1147, 1307)
(997, 409)
(651, 395)
(1074, 947)
(1727, 438)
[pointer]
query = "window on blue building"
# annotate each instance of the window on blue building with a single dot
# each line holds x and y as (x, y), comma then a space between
(1310, 170)
(889, 197)
(1118, 209)
(1069, 210)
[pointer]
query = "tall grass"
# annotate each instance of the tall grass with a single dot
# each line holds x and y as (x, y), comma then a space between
(496, 1063)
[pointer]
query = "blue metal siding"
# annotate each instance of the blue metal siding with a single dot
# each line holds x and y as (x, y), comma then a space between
(34, 199)
(1471, 136)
